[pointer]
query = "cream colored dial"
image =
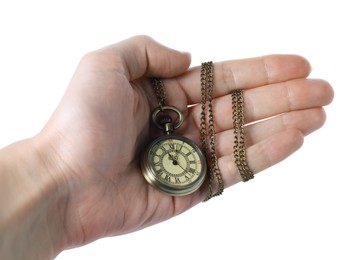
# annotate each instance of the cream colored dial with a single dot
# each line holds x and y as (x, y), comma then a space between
(175, 165)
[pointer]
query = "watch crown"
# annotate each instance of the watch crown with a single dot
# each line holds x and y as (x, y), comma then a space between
(166, 122)
(165, 119)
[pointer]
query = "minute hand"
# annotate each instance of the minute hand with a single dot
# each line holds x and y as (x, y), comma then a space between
(174, 160)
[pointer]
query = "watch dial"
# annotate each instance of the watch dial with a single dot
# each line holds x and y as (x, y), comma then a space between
(176, 162)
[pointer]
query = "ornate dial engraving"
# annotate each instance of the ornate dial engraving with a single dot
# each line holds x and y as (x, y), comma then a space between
(175, 162)
(175, 165)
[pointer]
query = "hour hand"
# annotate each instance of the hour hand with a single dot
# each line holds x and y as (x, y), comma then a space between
(174, 160)
(173, 157)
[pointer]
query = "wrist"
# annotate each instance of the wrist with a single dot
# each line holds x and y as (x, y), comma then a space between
(32, 203)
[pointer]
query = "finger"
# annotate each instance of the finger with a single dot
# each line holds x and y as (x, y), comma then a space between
(245, 74)
(262, 155)
(306, 121)
(142, 56)
(271, 100)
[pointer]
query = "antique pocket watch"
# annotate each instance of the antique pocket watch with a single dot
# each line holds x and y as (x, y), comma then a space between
(173, 164)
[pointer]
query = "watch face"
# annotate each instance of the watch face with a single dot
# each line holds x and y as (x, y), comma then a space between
(175, 165)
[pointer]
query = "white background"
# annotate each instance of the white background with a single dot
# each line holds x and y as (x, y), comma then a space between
(304, 208)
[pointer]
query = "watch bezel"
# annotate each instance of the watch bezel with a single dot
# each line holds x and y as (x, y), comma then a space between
(172, 189)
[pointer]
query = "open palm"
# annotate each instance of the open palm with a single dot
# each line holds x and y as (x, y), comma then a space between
(102, 125)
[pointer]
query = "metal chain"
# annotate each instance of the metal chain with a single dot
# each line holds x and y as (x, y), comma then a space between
(239, 148)
(159, 90)
(207, 98)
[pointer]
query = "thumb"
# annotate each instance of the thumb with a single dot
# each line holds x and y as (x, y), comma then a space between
(142, 56)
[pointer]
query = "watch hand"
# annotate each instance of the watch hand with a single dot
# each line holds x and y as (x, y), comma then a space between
(181, 167)
(172, 149)
(175, 161)
(172, 157)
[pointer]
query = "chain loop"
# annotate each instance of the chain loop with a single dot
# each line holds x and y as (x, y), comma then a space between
(168, 108)
(207, 99)
(240, 157)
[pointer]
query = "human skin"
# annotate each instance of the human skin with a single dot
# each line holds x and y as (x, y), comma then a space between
(79, 179)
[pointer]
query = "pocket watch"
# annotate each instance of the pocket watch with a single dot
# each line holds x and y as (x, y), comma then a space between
(173, 164)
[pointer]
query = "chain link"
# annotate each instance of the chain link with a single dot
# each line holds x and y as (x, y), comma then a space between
(239, 148)
(207, 99)
(159, 90)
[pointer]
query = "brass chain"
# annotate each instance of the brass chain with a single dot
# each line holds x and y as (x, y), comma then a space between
(239, 148)
(207, 98)
(159, 90)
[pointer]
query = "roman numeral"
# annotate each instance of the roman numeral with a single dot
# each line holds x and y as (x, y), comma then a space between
(168, 178)
(172, 146)
(178, 150)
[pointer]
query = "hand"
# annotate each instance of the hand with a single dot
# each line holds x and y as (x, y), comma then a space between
(92, 143)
